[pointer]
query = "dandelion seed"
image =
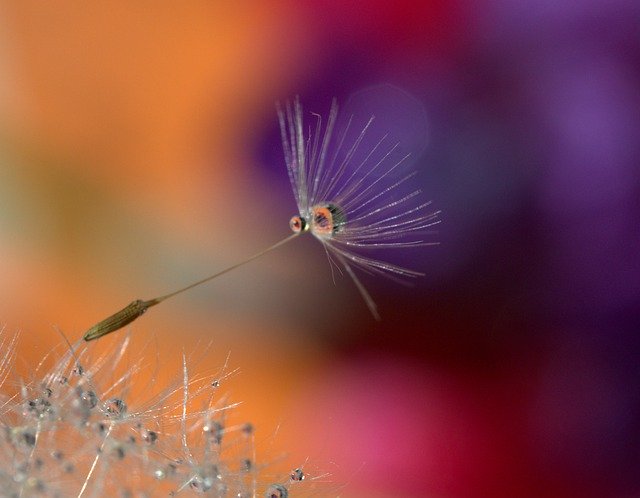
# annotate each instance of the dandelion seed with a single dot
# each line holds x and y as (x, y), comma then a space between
(297, 475)
(350, 199)
(351, 205)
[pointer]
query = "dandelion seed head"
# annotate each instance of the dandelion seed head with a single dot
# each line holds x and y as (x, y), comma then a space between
(90, 436)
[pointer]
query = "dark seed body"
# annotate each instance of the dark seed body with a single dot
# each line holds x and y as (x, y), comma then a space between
(118, 320)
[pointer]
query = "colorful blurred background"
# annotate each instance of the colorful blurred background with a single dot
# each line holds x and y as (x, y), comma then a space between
(139, 151)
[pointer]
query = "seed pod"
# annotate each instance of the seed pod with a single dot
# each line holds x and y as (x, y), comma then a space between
(118, 320)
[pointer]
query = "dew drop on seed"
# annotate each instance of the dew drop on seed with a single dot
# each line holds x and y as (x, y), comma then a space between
(119, 452)
(25, 436)
(169, 470)
(201, 484)
(150, 437)
(115, 408)
(40, 408)
(29, 438)
(214, 431)
(297, 475)
(215, 472)
(89, 399)
(34, 484)
(276, 491)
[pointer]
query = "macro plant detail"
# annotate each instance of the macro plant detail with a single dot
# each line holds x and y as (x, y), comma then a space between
(84, 427)
(350, 199)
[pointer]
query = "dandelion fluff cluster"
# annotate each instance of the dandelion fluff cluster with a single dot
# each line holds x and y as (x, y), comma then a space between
(84, 427)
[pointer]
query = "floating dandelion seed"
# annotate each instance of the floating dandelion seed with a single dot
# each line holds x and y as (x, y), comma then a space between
(350, 205)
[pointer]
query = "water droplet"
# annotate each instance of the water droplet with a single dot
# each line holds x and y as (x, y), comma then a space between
(276, 491)
(24, 435)
(34, 484)
(89, 399)
(78, 370)
(40, 408)
(215, 383)
(150, 437)
(29, 438)
(201, 484)
(214, 431)
(19, 477)
(119, 452)
(115, 408)
(169, 470)
(297, 475)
